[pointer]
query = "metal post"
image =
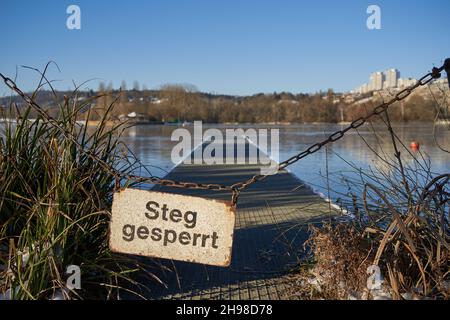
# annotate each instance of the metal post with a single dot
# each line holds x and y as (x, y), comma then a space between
(447, 70)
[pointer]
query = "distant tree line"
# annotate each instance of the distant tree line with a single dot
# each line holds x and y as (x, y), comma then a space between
(179, 103)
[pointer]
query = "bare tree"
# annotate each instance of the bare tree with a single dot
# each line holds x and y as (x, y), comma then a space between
(123, 85)
(136, 86)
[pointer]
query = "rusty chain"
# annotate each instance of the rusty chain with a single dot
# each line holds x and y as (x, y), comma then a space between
(355, 124)
(236, 188)
(117, 174)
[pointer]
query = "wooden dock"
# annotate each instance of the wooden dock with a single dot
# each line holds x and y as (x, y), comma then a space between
(271, 222)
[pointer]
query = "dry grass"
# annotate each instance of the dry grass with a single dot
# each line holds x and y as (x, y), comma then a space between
(55, 203)
(401, 225)
(339, 266)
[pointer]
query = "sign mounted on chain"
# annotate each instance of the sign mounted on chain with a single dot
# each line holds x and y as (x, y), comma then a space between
(172, 226)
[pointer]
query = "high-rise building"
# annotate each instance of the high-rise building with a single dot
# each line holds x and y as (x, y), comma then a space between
(376, 81)
(362, 89)
(390, 79)
(371, 84)
(391, 76)
(365, 88)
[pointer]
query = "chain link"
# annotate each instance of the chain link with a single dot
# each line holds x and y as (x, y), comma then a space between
(355, 124)
(117, 174)
(236, 188)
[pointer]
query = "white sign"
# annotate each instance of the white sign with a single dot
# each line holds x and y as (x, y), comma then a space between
(172, 226)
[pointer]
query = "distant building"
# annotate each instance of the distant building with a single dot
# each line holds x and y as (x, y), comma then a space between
(403, 83)
(376, 81)
(362, 89)
(291, 101)
(135, 117)
(365, 88)
(157, 101)
(371, 84)
(391, 78)
(349, 99)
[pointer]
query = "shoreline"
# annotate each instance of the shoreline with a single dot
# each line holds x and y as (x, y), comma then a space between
(95, 123)
(143, 123)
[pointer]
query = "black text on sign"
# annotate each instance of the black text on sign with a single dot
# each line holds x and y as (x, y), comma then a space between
(172, 226)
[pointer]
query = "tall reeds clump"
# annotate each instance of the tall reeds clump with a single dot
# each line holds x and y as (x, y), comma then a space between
(400, 227)
(55, 204)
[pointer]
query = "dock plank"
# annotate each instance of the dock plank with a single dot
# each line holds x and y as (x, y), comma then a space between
(271, 226)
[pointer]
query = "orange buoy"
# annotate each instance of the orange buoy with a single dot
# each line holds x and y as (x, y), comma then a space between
(414, 145)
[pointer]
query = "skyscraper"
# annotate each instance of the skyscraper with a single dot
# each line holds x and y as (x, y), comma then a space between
(392, 76)
(390, 79)
(376, 81)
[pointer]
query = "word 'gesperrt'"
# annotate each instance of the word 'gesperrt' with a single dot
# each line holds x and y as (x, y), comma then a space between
(169, 236)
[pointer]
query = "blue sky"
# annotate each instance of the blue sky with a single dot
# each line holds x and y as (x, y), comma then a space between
(233, 47)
